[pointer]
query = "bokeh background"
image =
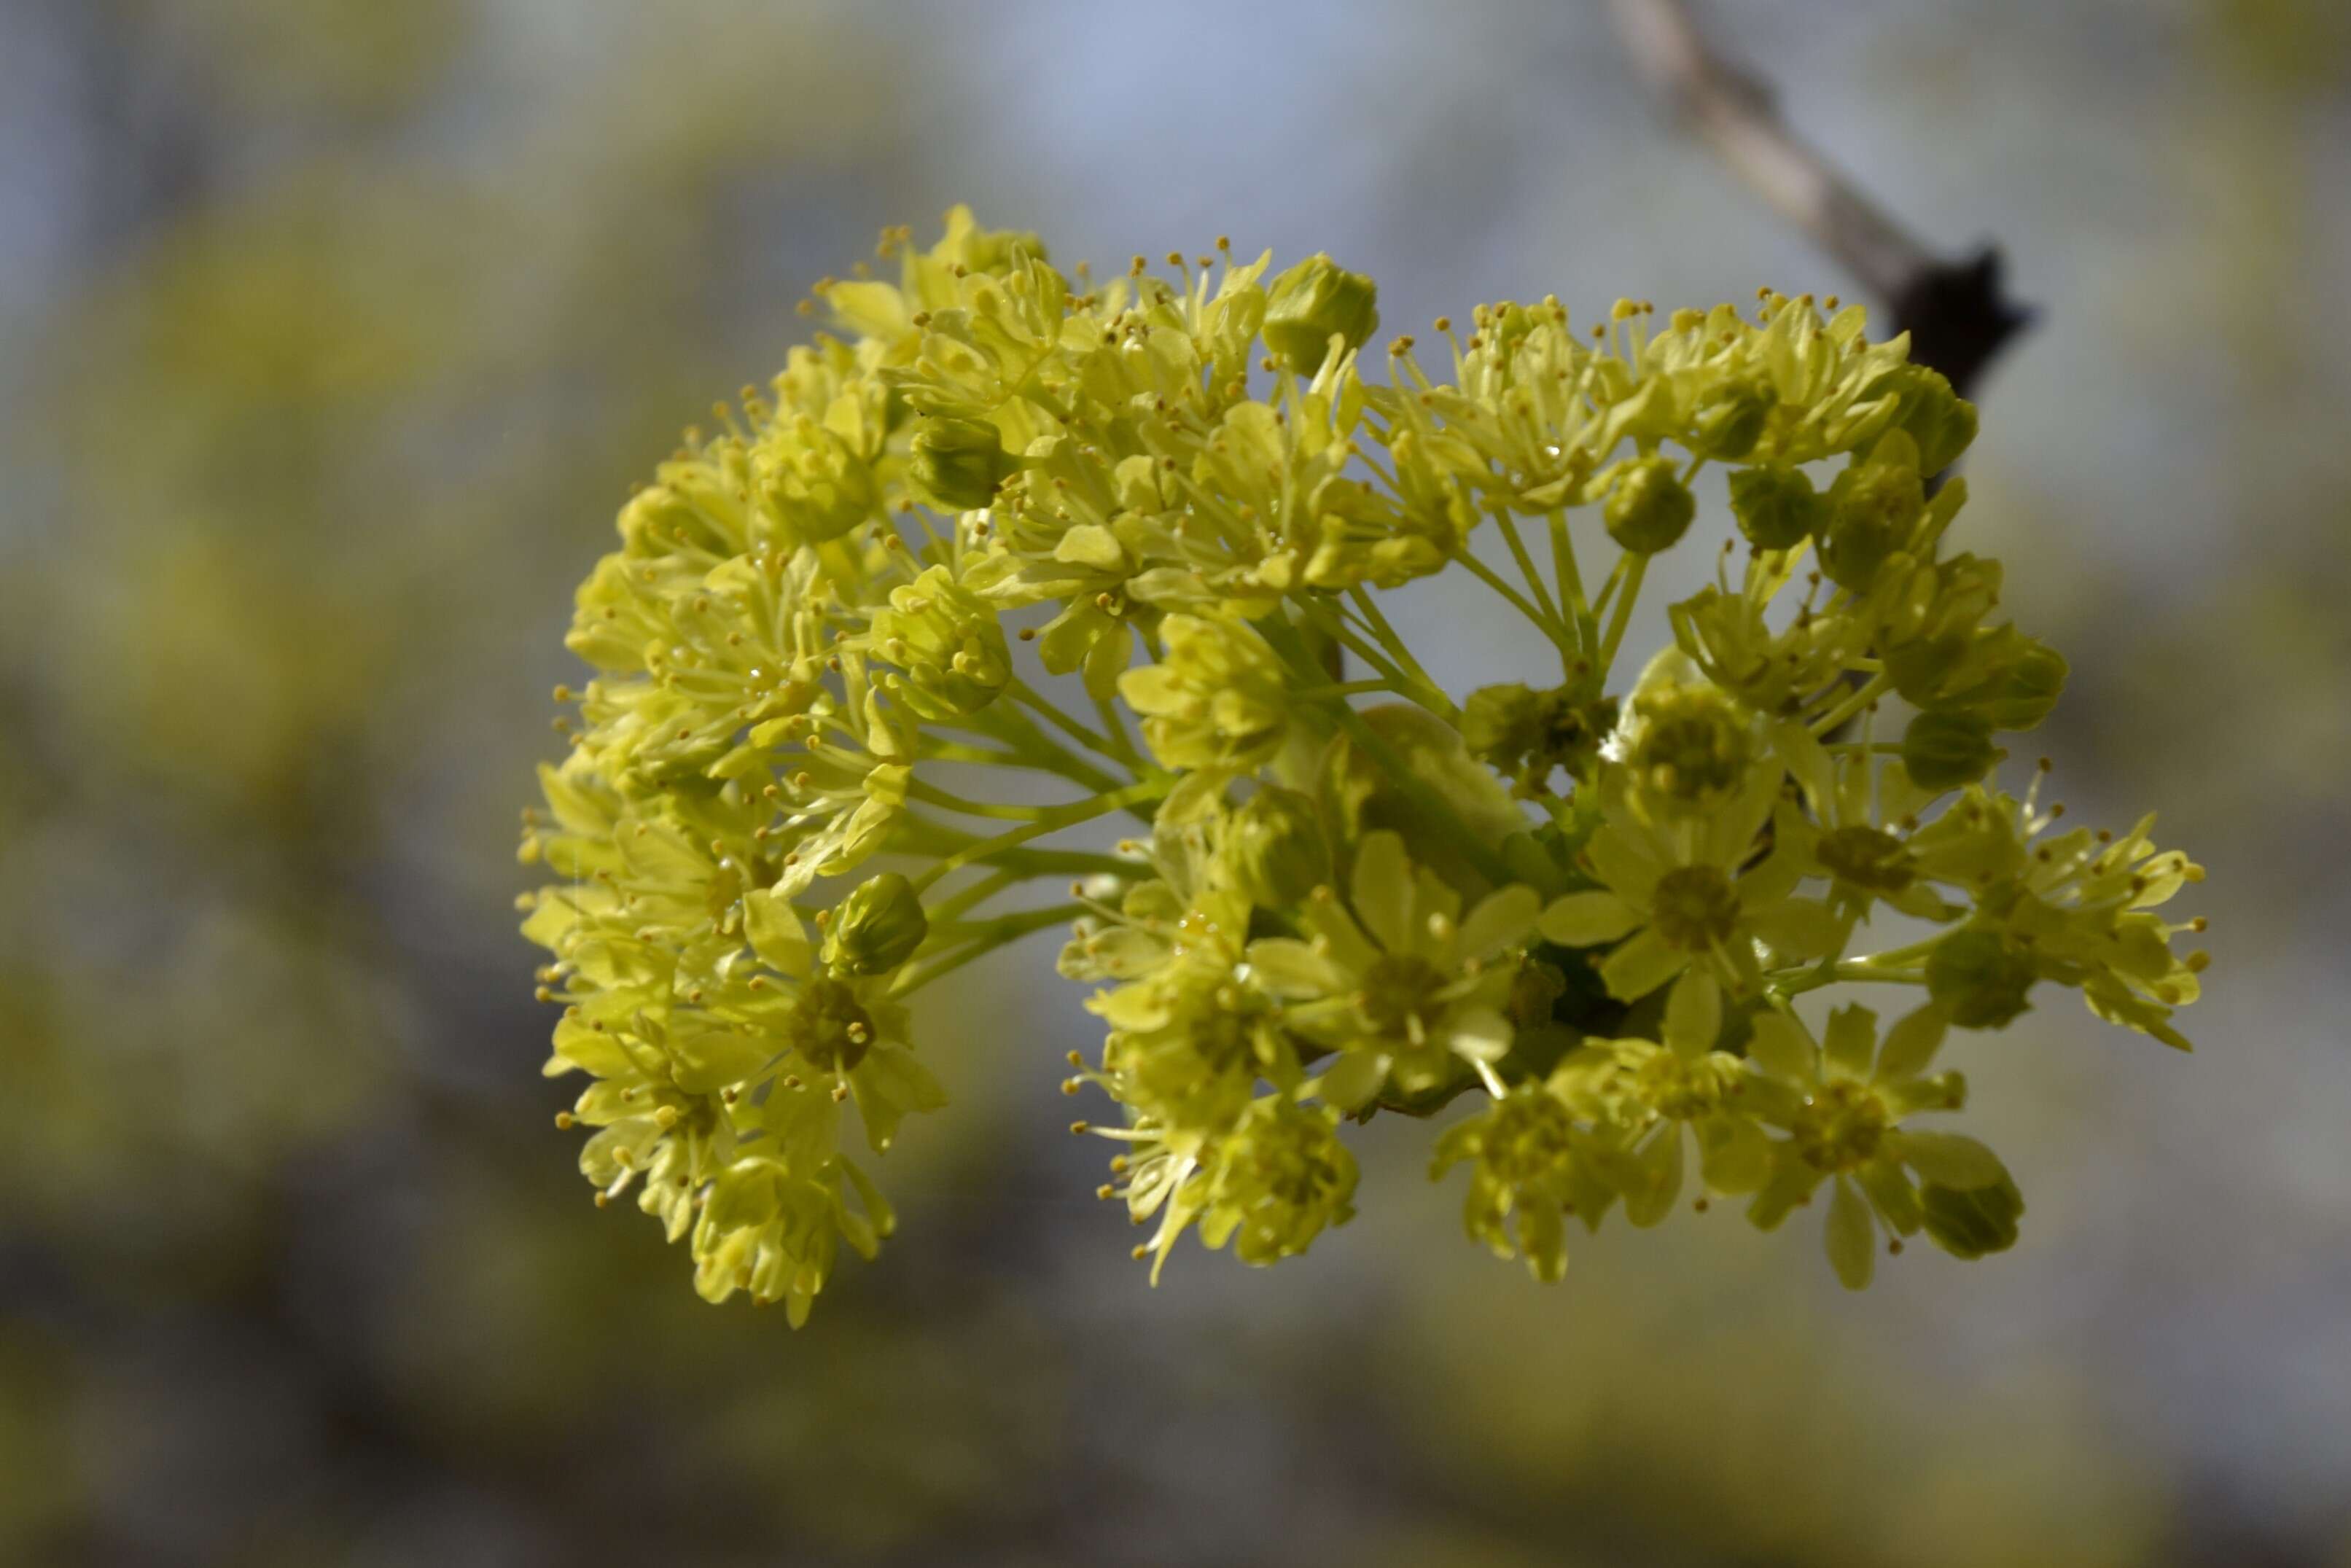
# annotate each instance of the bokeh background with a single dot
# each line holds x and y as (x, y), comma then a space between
(331, 333)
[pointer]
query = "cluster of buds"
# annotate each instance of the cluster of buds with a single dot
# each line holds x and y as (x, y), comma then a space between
(1595, 920)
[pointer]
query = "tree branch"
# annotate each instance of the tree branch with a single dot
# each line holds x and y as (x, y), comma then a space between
(1955, 311)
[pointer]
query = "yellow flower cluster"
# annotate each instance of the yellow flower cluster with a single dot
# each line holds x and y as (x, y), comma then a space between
(1589, 905)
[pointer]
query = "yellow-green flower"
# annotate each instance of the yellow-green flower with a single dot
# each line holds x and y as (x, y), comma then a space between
(1585, 901)
(1530, 1161)
(1682, 893)
(1843, 1102)
(1650, 1092)
(1407, 989)
(1217, 700)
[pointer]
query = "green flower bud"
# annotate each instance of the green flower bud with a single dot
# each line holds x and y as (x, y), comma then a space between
(877, 927)
(1972, 1223)
(995, 250)
(2026, 687)
(1980, 978)
(1775, 508)
(1941, 421)
(1730, 419)
(1649, 508)
(1313, 300)
(1275, 850)
(1945, 751)
(956, 464)
(1874, 510)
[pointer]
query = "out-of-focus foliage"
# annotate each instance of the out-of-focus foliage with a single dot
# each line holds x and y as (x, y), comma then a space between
(331, 334)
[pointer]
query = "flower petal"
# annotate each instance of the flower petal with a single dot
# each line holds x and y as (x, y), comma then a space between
(1780, 1047)
(1641, 965)
(1852, 1238)
(1851, 1038)
(1501, 919)
(1910, 1045)
(1694, 1012)
(1383, 890)
(1587, 919)
(1625, 869)
(1948, 1159)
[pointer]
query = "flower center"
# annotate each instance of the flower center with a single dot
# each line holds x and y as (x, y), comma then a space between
(1693, 749)
(1399, 992)
(1868, 858)
(1840, 1127)
(828, 1027)
(1696, 907)
(1680, 1090)
(1529, 1141)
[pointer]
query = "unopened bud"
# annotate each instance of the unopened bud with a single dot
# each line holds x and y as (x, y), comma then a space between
(1775, 508)
(956, 464)
(1945, 751)
(1312, 301)
(1649, 508)
(1874, 509)
(1980, 978)
(877, 927)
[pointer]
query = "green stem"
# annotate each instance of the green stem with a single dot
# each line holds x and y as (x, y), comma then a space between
(1526, 570)
(1623, 613)
(977, 893)
(924, 836)
(1049, 821)
(1411, 680)
(1402, 684)
(1863, 697)
(1571, 578)
(1023, 692)
(1348, 689)
(1017, 730)
(932, 794)
(1114, 726)
(982, 939)
(1376, 621)
(1493, 579)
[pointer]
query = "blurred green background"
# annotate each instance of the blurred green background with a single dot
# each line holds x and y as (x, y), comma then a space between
(332, 332)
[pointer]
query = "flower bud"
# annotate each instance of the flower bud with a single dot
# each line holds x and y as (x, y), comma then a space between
(956, 464)
(1312, 301)
(1775, 508)
(1941, 421)
(1649, 508)
(1980, 978)
(2024, 688)
(1730, 419)
(877, 927)
(1873, 510)
(1945, 751)
(1275, 850)
(1972, 1223)
(995, 250)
